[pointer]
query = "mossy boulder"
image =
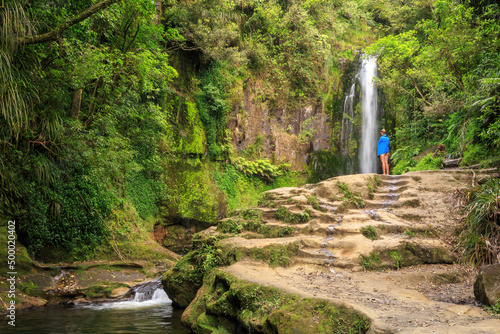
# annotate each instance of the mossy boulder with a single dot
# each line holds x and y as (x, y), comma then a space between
(183, 281)
(226, 304)
(487, 284)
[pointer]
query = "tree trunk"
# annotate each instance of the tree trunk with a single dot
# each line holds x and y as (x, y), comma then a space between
(158, 11)
(56, 33)
(76, 104)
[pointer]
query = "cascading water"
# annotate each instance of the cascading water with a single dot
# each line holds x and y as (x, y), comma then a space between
(149, 312)
(347, 129)
(152, 290)
(369, 102)
(147, 294)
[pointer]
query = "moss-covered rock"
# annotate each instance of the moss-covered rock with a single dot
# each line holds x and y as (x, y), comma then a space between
(183, 281)
(407, 254)
(226, 304)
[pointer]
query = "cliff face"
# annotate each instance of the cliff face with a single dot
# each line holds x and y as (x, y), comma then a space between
(281, 133)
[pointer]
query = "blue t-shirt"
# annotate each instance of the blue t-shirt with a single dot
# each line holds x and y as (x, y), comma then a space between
(383, 145)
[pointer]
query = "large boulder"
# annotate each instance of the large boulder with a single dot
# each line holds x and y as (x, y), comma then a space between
(487, 285)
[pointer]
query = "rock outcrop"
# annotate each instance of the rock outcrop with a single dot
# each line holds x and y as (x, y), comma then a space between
(374, 244)
(487, 285)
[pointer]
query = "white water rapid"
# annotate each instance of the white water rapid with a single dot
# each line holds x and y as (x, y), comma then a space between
(369, 102)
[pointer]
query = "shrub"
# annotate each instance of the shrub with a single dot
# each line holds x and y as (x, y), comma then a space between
(285, 215)
(479, 238)
(261, 168)
(369, 232)
(428, 163)
(349, 197)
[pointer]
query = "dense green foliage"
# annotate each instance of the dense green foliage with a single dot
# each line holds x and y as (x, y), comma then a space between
(440, 74)
(479, 238)
(119, 121)
(78, 153)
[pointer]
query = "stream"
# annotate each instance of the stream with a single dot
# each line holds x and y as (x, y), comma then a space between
(146, 313)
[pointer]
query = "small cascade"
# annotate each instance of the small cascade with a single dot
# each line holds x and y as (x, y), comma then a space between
(147, 294)
(152, 290)
(370, 127)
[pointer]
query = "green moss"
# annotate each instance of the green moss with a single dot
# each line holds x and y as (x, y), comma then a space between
(411, 217)
(242, 191)
(413, 203)
(191, 192)
(397, 258)
(407, 254)
(194, 140)
(314, 202)
(354, 200)
(268, 231)
(410, 233)
(225, 301)
(276, 255)
(24, 264)
(371, 262)
(372, 185)
(31, 289)
(250, 214)
(369, 232)
(287, 216)
(183, 280)
(230, 226)
(421, 232)
(265, 199)
(130, 236)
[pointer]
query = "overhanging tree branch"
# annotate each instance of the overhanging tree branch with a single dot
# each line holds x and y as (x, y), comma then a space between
(56, 33)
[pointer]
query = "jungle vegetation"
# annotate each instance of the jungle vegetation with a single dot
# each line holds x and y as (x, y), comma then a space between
(114, 114)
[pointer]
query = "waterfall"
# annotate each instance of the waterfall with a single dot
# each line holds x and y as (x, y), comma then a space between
(369, 102)
(348, 116)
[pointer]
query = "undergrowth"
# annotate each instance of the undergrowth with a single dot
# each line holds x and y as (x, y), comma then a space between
(243, 191)
(285, 215)
(369, 232)
(479, 232)
(348, 197)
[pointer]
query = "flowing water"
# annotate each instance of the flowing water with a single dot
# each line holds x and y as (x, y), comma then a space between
(368, 96)
(347, 120)
(149, 312)
(370, 127)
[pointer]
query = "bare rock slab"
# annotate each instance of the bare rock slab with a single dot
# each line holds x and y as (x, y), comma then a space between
(487, 285)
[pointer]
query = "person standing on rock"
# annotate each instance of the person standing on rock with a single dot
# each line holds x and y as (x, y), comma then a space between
(383, 151)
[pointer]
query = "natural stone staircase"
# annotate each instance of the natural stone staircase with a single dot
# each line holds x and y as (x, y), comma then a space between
(327, 220)
(324, 225)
